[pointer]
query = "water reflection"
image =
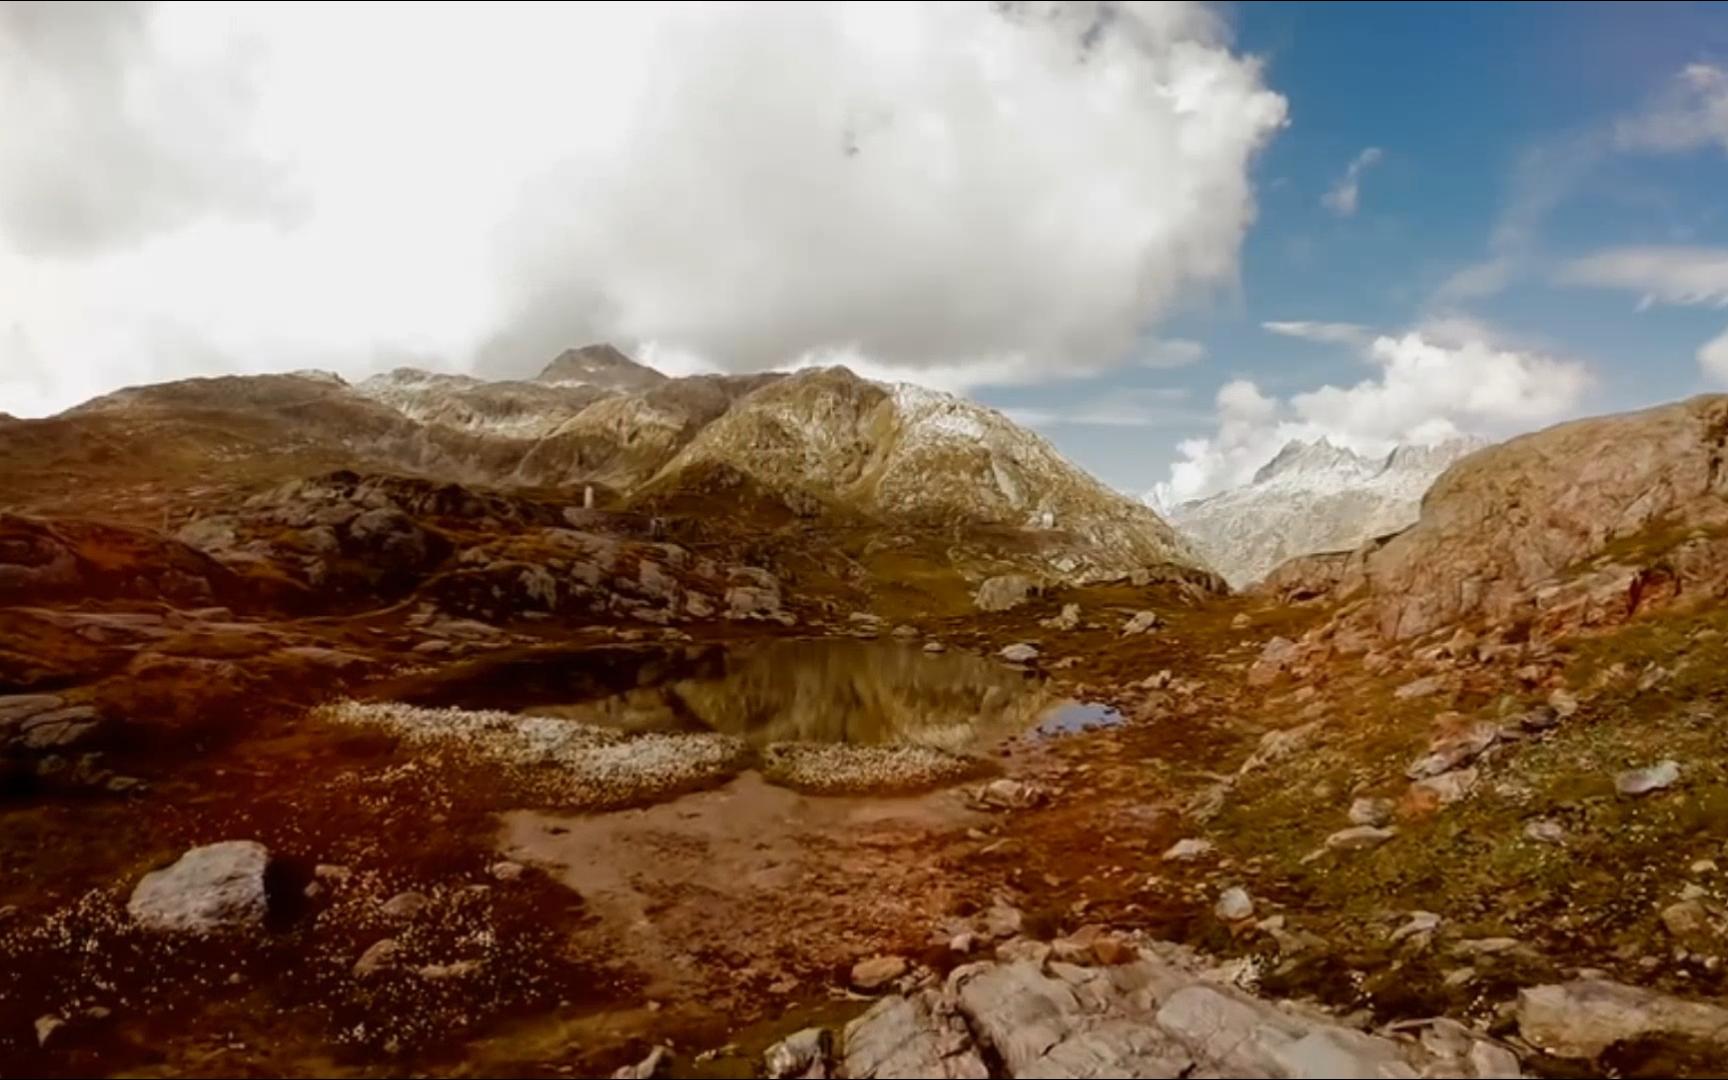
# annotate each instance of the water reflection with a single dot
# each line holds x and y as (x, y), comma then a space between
(855, 692)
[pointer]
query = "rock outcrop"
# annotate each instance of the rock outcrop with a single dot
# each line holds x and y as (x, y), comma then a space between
(1157, 1015)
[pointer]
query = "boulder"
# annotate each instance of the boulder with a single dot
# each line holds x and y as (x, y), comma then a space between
(1359, 838)
(1020, 653)
(1067, 619)
(1141, 622)
(1004, 591)
(877, 972)
(1582, 1018)
(210, 889)
(1370, 811)
(918, 1036)
(804, 1055)
(1657, 777)
(1234, 905)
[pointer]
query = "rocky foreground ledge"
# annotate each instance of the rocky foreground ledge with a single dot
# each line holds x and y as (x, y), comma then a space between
(1056, 1010)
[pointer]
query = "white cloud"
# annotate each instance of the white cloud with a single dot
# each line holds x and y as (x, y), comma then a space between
(1667, 275)
(1327, 333)
(1431, 383)
(1172, 353)
(1343, 196)
(1713, 358)
(960, 192)
(1691, 113)
(1686, 276)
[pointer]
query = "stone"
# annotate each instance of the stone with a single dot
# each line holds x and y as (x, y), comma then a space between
(1241, 621)
(935, 647)
(1633, 782)
(918, 1036)
(1427, 686)
(48, 1027)
(59, 729)
(1005, 793)
(1447, 788)
(1687, 920)
(507, 871)
(877, 972)
(209, 889)
(404, 905)
(1019, 653)
(1545, 831)
(1454, 751)
(1234, 905)
(803, 1055)
(1276, 746)
(1359, 838)
(1003, 592)
(1371, 811)
(381, 955)
(1541, 718)
(1188, 849)
(1564, 703)
(1141, 622)
(1421, 926)
(1582, 1018)
(905, 632)
(1276, 657)
(1002, 920)
(1067, 619)
(655, 1064)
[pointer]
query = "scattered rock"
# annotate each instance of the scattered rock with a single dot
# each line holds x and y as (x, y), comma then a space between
(1419, 928)
(655, 1064)
(1188, 849)
(1582, 1018)
(404, 905)
(1687, 920)
(1020, 653)
(1359, 838)
(804, 1055)
(48, 1029)
(210, 889)
(1453, 751)
(877, 972)
(1445, 789)
(1371, 811)
(1427, 686)
(1003, 592)
(1141, 622)
(1067, 619)
(1545, 831)
(1005, 793)
(1234, 905)
(381, 955)
(1663, 774)
(1276, 746)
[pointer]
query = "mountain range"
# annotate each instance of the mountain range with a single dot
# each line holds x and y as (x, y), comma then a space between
(1313, 497)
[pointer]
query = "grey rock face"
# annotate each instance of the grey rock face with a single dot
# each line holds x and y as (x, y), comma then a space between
(1582, 1018)
(1002, 592)
(210, 889)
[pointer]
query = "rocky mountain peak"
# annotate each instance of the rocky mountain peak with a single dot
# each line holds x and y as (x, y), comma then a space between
(600, 365)
(1313, 497)
(1321, 456)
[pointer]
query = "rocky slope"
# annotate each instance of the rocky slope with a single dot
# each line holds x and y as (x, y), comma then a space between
(1584, 524)
(1312, 497)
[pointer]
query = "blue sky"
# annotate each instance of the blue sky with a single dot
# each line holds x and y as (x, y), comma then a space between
(1474, 108)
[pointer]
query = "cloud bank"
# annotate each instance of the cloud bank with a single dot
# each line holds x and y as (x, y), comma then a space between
(1432, 383)
(974, 192)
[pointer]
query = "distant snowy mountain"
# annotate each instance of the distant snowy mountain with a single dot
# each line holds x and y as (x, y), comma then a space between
(1312, 497)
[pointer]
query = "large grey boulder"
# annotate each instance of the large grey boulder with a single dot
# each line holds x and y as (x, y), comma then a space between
(210, 889)
(1582, 1018)
(918, 1036)
(1003, 591)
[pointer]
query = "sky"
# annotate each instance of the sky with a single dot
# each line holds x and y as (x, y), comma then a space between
(1170, 237)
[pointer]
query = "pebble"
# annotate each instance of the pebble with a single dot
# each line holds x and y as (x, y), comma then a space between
(877, 972)
(1234, 905)
(1189, 849)
(1663, 774)
(1544, 831)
